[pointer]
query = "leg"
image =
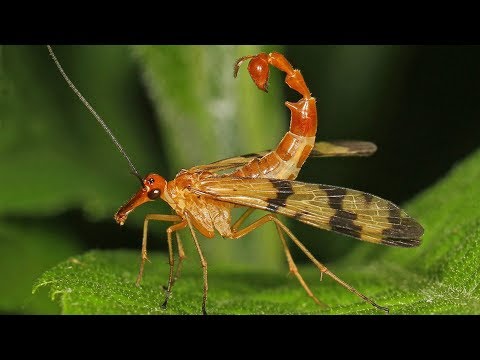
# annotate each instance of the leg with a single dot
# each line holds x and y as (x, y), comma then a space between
(181, 257)
(242, 218)
(203, 262)
(291, 264)
(171, 260)
(323, 269)
(156, 217)
(294, 270)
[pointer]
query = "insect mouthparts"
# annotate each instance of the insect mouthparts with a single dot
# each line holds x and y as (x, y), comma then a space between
(120, 217)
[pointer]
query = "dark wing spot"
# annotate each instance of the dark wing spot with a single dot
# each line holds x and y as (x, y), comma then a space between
(402, 242)
(368, 198)
(393, 215)
(298, 215)
(342, 222)
(347, 215)
(403, 231)
(284, 190)
(335, 196)
(316, 153)
(395, 230)
(251, 155)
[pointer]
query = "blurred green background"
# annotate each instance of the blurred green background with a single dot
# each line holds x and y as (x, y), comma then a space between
(174, 107)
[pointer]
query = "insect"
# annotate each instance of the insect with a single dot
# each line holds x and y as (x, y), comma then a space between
(203, 196)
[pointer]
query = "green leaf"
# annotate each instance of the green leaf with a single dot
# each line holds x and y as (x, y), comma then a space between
(439, 277)
(26, 253)
(102, 282)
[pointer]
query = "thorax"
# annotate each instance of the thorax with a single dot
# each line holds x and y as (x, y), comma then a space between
(206, 213)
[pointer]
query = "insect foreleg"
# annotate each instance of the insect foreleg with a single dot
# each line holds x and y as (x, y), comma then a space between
(171, 261)
(181, 257)
(323, 269)
(203, 262)
(156, 217)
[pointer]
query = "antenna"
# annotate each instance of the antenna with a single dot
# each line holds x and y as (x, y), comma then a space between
(94, 113)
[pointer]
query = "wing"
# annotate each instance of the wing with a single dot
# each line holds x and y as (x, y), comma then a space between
(321, 149)
(229, 163)
(350, 212)
(343, 148)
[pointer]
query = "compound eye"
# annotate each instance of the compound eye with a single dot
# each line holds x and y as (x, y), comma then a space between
(153, 194)
(151, 181)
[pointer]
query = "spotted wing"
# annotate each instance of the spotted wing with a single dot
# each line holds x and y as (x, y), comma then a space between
(321, 149)
(343, 148)
(350, 212)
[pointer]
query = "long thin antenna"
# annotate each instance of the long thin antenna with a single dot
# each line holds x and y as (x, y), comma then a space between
(94, 113)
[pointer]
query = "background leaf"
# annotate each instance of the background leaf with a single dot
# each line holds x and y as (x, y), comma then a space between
(52, 142)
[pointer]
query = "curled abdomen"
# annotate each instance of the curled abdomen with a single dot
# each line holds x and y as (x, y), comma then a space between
(287, 159)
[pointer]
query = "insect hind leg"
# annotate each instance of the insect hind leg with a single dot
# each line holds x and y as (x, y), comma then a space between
(291, 263)
(323, 269)
(294, 270)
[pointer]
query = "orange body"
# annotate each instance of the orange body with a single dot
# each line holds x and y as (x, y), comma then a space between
(285, 162)
(287, 159)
